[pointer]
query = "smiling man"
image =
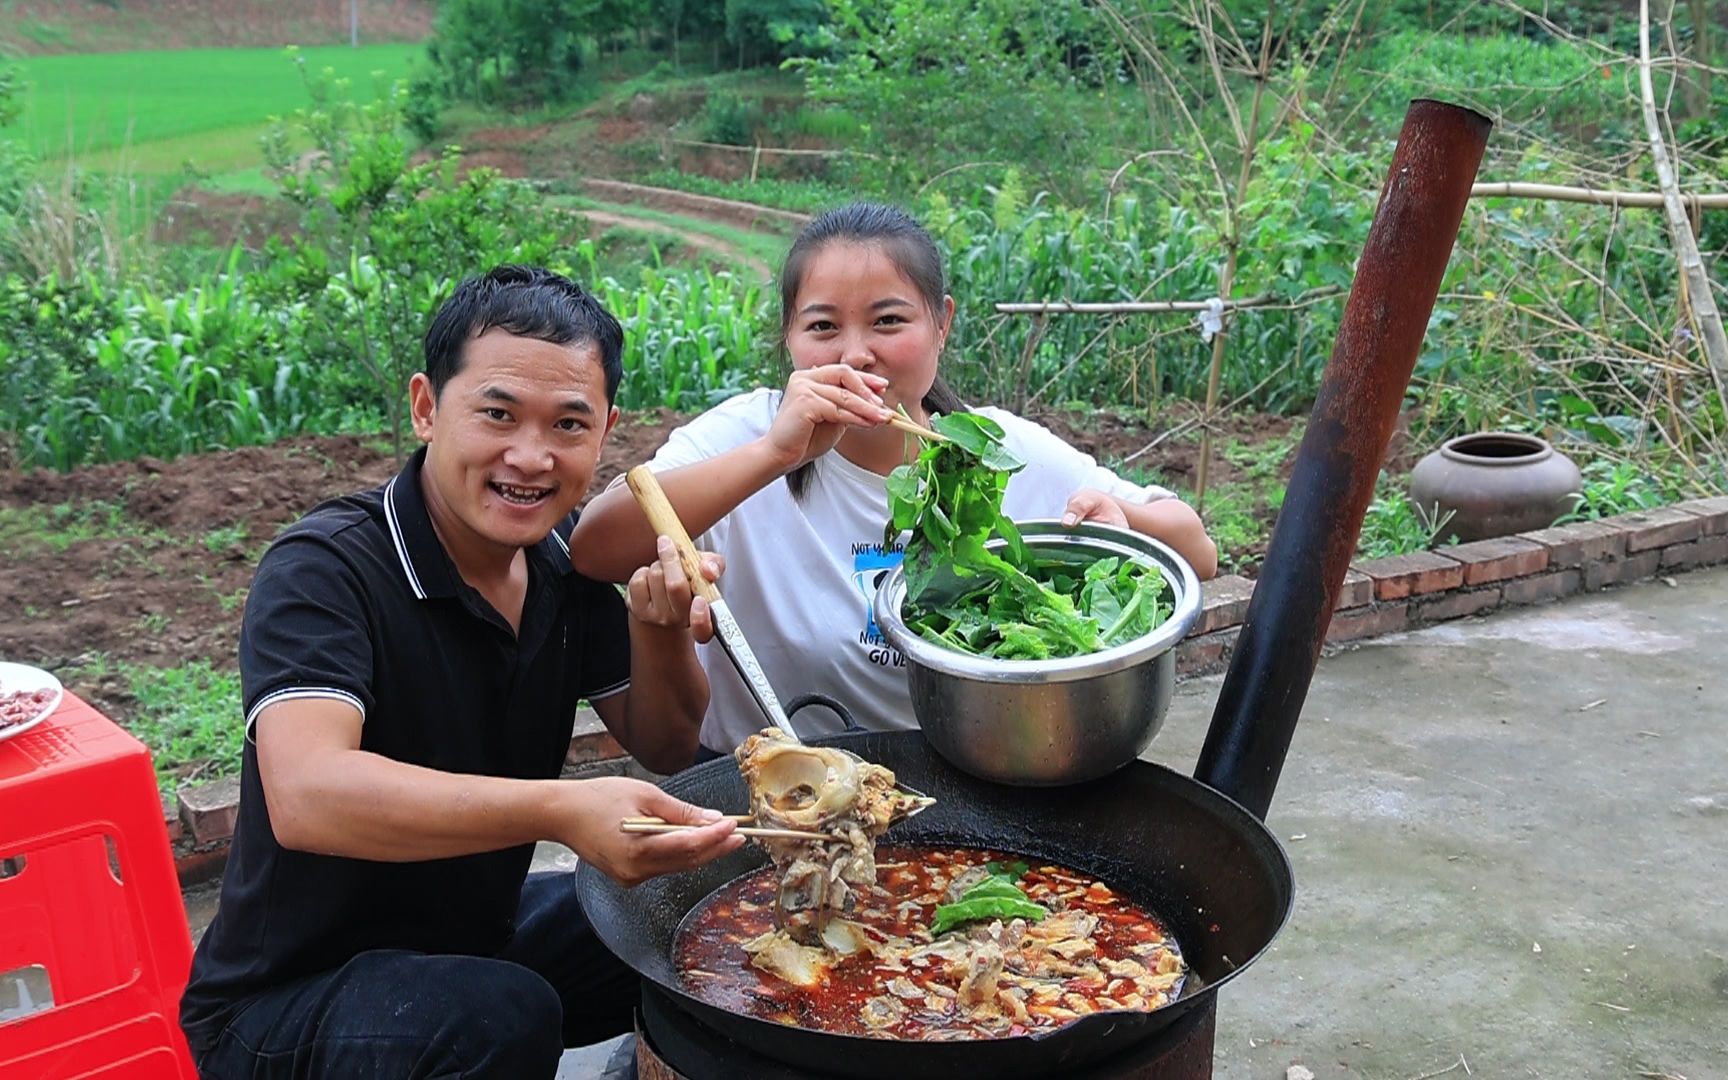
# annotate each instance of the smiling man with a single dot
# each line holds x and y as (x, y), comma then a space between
(412, 658)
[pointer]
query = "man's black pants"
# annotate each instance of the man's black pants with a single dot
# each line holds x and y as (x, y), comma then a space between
(398, 1014)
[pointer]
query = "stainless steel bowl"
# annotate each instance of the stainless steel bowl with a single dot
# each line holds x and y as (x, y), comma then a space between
(1047, 722)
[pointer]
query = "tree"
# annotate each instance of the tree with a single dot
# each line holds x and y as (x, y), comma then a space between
(382, 241)
(769, 31)
(495, 51)
(938, 86)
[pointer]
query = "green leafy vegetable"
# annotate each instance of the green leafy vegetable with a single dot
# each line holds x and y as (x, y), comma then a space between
(996, 897)
(1011, 606)
(948, 916)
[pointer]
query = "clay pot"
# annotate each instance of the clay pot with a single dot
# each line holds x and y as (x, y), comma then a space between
(1495, 483)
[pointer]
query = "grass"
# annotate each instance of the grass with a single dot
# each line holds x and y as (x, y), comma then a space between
(26, 531)
(1394, 525)
(217, 541)
(249, 181)
(621, 252)
(1238, 511)
(161, 109)
(189, 716)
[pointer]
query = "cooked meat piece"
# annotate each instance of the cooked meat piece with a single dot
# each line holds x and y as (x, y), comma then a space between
(826, 790)
(1124, 969)
(1073, 948)
(882, 1011)
(968, 878)
(983, 969)
(777, 953)
(1064, 924)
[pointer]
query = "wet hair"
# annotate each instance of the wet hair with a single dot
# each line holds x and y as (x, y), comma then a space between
(527, 301)
(914, 254)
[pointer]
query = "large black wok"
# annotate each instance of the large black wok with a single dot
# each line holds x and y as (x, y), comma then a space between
(1209, 869)
(1185, 848)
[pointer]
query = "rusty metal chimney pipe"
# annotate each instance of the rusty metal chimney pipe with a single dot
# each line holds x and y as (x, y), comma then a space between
(1397, 280)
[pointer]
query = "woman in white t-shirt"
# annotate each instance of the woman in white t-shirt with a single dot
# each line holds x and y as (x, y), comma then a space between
(789, 485)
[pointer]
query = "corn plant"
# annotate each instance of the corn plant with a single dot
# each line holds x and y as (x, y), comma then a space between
(109, 376)
(691, 338)
(1011, 248)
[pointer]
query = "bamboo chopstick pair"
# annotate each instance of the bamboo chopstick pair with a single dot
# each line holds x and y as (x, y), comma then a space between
(661, 825)
(912, 427)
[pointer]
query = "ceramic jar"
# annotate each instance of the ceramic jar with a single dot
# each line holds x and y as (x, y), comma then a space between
(1495, 484)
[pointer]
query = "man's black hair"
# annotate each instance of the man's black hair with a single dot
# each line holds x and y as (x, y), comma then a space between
(527, 301)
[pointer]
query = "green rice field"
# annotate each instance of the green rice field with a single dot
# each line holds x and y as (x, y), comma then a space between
(154, 112)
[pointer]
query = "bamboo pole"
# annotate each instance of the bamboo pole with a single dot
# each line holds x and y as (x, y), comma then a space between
(1557, 193)
(783, 150)
(1154, 307)
(1233, 242)
(1707, 320)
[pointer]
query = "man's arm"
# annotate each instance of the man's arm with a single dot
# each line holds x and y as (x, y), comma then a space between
(327, 796)
(658, 717)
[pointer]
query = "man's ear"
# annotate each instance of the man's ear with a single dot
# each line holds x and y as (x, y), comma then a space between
(611, 421)
(423, 405)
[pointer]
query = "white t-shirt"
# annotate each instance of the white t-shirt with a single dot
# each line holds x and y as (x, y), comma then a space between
(800, 576)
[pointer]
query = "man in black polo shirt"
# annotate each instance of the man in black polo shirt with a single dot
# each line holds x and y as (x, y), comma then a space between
(411, 660)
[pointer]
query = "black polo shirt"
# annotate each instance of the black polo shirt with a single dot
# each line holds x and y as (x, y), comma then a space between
(359, 602)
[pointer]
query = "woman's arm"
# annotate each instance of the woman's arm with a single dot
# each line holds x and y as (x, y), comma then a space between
(612, 536)
(1170, 520)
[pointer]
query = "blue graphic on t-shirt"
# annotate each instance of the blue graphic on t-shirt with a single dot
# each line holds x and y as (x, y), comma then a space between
(870, 568)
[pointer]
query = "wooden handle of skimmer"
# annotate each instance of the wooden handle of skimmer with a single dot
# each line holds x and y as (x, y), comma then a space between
(651, 497)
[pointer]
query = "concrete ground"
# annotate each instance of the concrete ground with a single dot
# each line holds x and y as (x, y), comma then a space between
(1510, 837)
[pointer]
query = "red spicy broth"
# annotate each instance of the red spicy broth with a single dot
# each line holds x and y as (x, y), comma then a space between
(911, 986)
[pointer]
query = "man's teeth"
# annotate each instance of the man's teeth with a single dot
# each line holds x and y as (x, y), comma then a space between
(524, 495)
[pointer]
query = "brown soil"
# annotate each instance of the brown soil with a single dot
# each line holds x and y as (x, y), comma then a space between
(213, 219)
(167, 586)
(1175, 461)
(620, 129)
(725, 211)
(506, 149)
(60, 26)
(166, 589)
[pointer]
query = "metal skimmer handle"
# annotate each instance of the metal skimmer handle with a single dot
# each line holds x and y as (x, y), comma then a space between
(665, 522)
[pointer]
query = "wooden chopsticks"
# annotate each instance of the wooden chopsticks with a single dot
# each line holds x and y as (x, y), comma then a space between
(912, 427)
(661, 825)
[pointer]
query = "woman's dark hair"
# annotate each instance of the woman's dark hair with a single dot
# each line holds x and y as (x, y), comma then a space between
(529, 302)
(914, 254)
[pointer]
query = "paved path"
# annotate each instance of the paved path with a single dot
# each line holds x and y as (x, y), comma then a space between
(1510, 837)
(1514, 849)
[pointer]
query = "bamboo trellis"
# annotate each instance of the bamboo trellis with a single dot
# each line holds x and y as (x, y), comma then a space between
(1695, 203)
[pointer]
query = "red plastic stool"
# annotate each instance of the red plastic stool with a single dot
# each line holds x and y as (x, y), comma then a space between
(116, 950)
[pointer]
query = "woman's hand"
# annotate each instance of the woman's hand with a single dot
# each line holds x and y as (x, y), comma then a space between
(1089, 505)
(820, 404)
(659, 594)
(597, 808)
(1170, 520)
